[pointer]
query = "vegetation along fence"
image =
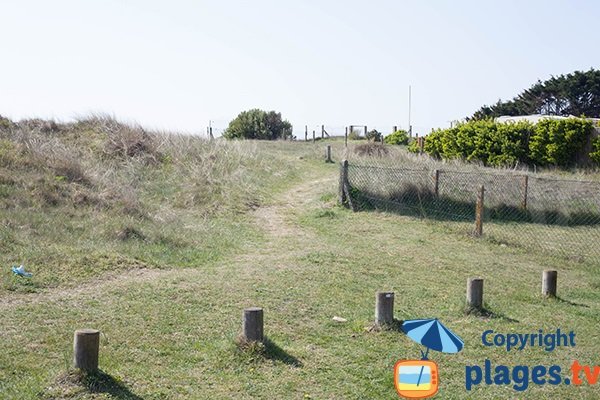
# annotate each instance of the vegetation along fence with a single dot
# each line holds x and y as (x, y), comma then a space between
(557, 216)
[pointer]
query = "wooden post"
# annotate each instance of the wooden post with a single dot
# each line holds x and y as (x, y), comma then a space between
(384, 308)
(479, 212)
(328, 160)
(343, 179)
(86, 344)
(365, 131)
(394, 128)
(524, 188)
(436, 182)
(421, 144)
(306, 133)
(322, 131)
(314, 136)
(252, 324)
(549, 283)
(475, 293)
(346, 138)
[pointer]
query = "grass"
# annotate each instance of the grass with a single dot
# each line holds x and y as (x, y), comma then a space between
(167, 288)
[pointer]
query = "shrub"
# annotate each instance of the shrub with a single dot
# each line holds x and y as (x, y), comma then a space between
(370, 150)
(258, 124)
(373, 135)
(397, 138)
(354, 135)
(595, 155)
(556, 142)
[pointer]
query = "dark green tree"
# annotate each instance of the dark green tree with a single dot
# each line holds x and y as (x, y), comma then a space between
(258, 124)
(575, 94)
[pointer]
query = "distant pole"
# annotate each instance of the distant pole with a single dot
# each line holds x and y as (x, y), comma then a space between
(365, 131)
(409, 110)
(394, 129)
(314, 136)
(86, 344)
(322, 131)
(384, 308)
(306, 133)
(479, 212)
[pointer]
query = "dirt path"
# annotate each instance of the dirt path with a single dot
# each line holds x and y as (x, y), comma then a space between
(274, 219)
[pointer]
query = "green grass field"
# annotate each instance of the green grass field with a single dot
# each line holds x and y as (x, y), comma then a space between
(166, 283)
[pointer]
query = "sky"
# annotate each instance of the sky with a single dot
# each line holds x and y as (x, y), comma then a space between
(176, 65)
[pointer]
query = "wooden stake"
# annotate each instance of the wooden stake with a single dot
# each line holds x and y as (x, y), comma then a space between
(343, 179)
(384, 308)
(306, 133)
(525, 188)
(328, 160)
(475, 293)
(86, 344)
(436, 182)
(346, 138)
(252, 324)
(479, 212)
(549, 278)
(313, 135)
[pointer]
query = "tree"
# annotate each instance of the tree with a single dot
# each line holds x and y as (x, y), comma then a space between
(258, 124)
(575, 94)
(373, 135)
(398, 137)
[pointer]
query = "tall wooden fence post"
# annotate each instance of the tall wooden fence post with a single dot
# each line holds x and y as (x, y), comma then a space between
(549, 278)
(306, 133)
(475, 293)
(322, 131)
(384, 308)
(86, 345)
(479, 212)
(328, 160)
(314, 136)
(365, 131)
(252, 325)
(524, 190)
(343, 179)
(436, 182)
(346, 138)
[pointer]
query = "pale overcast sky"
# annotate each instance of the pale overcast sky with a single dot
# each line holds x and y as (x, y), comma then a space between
(178, 64)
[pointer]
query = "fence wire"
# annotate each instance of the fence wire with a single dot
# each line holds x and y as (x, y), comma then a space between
(558, 216)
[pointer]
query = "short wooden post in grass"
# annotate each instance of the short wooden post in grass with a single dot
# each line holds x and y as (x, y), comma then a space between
(549, 283)
(394, 128)
(475, 293)
(328, 160)
(365, 131)
(524, 190)
(314, 136)
(436, 182)
(252, 324)
(479, 212)
(384, 308)
(86, 344)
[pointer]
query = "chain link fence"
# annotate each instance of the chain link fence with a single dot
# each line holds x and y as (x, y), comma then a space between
(558, 216)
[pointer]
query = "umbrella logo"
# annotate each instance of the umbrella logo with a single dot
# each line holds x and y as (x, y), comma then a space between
(418, 379)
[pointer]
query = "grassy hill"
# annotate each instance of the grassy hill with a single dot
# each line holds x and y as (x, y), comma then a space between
(159, 241)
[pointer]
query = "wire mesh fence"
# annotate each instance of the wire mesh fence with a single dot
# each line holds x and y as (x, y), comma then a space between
(558, 216)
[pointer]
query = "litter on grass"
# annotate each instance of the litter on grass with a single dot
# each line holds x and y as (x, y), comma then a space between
(21, 271)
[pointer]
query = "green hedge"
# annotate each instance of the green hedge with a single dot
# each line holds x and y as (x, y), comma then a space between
(549, 142)
(397, 138)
